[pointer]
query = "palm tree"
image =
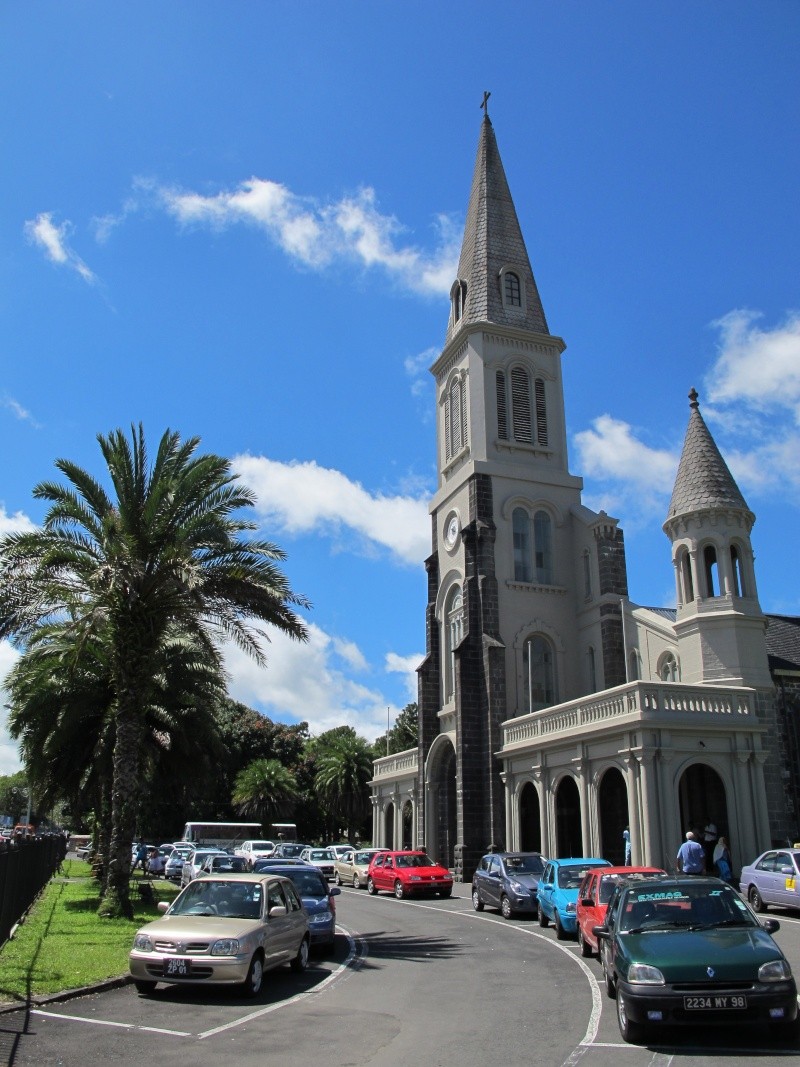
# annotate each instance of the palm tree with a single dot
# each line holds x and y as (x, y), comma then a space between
(265, 788)
(344, 769)
(165, 555)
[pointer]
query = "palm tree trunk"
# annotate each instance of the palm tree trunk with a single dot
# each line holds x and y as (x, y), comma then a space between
(124, 806)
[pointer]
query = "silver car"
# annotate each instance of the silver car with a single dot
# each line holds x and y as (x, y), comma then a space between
(323, 859)
(194, 862)
(223, 930)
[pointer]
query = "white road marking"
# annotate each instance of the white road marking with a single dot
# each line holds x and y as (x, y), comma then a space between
(107, 1022)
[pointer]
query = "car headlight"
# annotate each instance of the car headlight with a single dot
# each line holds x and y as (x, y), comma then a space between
(774, 971)
(142, 943)
(571, 908)
(320, 917)
(517, 888)
(226, 946)
(644, 974)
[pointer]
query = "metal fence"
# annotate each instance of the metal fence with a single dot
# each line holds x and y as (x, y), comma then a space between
(25, 869)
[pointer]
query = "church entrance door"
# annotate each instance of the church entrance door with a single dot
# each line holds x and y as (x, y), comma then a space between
(612, 802)
(569, 838)
(530, 822)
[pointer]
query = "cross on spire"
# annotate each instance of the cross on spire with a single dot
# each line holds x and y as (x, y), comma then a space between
(485, 104)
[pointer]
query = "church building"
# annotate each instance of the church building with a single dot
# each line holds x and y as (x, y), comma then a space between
(553, 711)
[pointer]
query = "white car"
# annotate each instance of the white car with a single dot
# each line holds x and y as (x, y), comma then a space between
(322, 858)
(195, 861)
(254, 850)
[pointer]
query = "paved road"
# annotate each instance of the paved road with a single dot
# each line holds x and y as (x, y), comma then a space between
(426, 982)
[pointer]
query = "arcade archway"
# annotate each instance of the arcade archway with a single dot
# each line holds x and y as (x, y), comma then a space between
(612, 803)
(569, 837)
(441, 819)
(388, 826)
(530, 821)
(702, 800)
(408, 825)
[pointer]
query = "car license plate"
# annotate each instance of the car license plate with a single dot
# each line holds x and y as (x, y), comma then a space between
(177, 968)
(714, 1003)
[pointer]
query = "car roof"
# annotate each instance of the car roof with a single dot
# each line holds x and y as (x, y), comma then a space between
(577, 861)
(625, 870)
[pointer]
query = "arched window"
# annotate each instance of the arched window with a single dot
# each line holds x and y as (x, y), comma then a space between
(455, 419)
(668, 668)
(521, 405)
(542, 539)
(687, 583)
(454, 631)
(633, 666)
(541, 412)
(502, 406)
(521, 524)
(538, 665)
(737, 574)
(511, 290)
(458, 299)
(710, 571)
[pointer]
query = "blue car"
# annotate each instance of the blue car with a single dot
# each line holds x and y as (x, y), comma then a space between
(558, 892)
(317, 898)
(508, 881)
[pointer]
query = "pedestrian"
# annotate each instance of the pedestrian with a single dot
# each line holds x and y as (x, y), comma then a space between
(691, 856)
(140, 857)
(626, 837)
(722, 859)
(709, 839)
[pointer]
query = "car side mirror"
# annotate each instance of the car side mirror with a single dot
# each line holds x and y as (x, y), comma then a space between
(602, 933)
(787, 870)
(276, 911)
(587, 902)
(334, 891)
(162, 905)
(772, 926)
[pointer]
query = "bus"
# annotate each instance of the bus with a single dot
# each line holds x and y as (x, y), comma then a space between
(283, 831)
(224, 835)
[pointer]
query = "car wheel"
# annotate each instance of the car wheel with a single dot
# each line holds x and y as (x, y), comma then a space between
(611, 989)
(251, 986)
(338, 879)
(144, 987)
(631, 1032)
(399, 889)
(477, 903)
(543, 920)
(356, 882)
(300, 962)
(586, 948)
(371, 887)
(561, 933)
(505, 907)
(756, 900)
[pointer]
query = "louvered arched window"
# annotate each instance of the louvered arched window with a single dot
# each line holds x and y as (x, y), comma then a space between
(521, 404)
(455, 418)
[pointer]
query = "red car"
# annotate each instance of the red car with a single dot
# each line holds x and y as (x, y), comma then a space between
(593, 897)
(408, 874)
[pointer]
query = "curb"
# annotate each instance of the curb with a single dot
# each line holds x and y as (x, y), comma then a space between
(66, 994)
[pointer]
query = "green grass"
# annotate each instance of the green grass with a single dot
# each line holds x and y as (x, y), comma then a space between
(64, 944)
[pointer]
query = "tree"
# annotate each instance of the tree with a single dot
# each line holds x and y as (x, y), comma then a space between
(344, 769)
(164, 556)
(265, 788)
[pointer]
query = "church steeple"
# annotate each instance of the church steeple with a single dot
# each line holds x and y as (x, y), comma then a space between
(495, 282)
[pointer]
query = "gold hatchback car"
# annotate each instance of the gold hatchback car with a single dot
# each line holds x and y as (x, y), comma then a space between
(223, 930)
(352, 867)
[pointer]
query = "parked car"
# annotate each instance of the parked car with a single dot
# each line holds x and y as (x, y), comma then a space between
(195, 860)
(175, 862)
(406, 874)
(322, 858)
(273, 861)
(317, 898)
(558, 892)
(508, 881)
(223, 864)
(223, 930)
(690, 951)
(340, 849)
(774, 878)
(352, 868)
(255, 850)
(594, 893)
(289, 850)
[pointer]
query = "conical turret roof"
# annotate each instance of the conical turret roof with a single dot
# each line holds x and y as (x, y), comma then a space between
(493, 240)
(703, 481)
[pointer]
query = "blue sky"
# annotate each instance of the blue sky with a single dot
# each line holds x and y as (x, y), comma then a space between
(241, 221)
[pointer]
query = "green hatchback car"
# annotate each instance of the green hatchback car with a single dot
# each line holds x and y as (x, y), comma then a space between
(689, 950)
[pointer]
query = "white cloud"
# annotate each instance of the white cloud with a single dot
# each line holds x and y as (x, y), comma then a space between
(316, 234)
(418, 369)
(304, 497)
(16, 523)
(10, 762)
(53, 240)
(407, 666)
(756, 367)
(640, 476)
(308, 682)
(19, 411)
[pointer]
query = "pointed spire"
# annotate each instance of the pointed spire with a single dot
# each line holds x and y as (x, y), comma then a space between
(703, 481)
(493, 240)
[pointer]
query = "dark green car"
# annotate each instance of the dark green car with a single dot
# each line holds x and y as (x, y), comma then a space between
(689, 950)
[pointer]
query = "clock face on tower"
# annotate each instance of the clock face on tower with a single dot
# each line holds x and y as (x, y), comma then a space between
(452, 528)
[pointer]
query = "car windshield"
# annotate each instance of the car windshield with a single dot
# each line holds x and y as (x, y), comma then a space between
(321, 854)
(571, 877)
(233, 900)
(419, 860)
(609, 882)
(693, 907)
(307, 883)
(524, 864)
(363, 857)
(228, 863)
(261, 846)
(291, 850)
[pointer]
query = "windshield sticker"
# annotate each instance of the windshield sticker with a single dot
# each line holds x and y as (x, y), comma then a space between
(665, 895)
(740, 904)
